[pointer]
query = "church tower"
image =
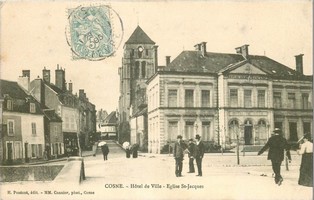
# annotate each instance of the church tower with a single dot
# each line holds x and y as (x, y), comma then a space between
(139, 63)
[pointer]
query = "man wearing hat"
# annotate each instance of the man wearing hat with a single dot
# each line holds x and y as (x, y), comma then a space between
(199, 154)
(191, 150)
(178, 153)
(276, 144)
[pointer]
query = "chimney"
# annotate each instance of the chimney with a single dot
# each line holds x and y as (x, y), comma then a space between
(155, 50)
(70, 86)
(299, 63)
(26, 73)
(24, 80)
(203, 48)
(60, 78)
(81, 93)
(46, 75)
(243, 50)
(168, 60)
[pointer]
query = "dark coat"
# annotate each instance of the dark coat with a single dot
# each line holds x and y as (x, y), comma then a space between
(178, 151)
(191, 149)
(276, 144)
(105, 149)
(199, 150)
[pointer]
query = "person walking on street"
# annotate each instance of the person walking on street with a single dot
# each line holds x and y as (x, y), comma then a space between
(199, 154)
(178, 154)
(276, 145)
(105, 151)
(306, 168)
(191, 150)
(95, 148)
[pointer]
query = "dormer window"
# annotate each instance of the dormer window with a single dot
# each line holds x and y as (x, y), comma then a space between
(32, 108)
(9, 105)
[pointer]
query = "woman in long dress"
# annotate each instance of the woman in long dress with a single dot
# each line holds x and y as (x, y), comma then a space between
(306, 169)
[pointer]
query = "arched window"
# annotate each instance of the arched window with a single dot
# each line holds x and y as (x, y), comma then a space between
(143, 69)
(262, 132)
(137, 69)
(233, 131)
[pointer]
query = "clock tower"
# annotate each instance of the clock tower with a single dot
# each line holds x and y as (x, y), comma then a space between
(139, 63)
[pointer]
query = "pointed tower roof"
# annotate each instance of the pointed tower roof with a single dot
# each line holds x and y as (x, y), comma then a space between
(139, 37)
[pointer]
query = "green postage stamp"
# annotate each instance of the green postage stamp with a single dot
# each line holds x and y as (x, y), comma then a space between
(94, 32)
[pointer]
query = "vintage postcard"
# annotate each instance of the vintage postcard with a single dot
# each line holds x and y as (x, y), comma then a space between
(156, 100)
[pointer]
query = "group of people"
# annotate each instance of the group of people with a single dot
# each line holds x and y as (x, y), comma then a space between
(195, 151)
(277, 145)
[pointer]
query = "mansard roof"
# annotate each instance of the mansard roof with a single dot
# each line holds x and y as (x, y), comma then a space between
(139, 37)
(194, 61)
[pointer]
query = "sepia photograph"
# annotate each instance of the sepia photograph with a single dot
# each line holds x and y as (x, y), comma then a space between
(163, 99)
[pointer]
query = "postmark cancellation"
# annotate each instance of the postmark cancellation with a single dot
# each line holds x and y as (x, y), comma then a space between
(93, 32)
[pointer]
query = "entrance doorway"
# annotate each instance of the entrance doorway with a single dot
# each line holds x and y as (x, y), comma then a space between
(10, 152)
(248, 128)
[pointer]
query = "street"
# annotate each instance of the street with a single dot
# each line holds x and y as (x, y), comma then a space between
(152, 177)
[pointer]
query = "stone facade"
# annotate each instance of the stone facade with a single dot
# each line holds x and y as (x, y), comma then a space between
(226, 97)
(139, 63)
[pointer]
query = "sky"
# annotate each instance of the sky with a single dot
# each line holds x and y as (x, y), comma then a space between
(33, 36)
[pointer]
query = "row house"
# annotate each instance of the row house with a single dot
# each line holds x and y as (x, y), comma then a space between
(22, 135)
(109, 126)
(64, 103)
(227, 97)
(87, 120)
(100, 119)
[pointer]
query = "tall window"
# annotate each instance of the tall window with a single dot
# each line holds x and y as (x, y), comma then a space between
(32, 108)
(189, 125)
(306, 127)
(206, 131)
(9, 105)
(132, 53)
(173, 130)
(277, 99)
(205, 98)
(143, 69)
(189, 98)
(10, 127)
(262, 131)
(33, 128)
(247, 98)
(293, 131)
(40, 150)
(305, 101)
(291, 100)
(233, 130)
(261, 98)
(172, 98)
(17, 150)
(137, 69)
(34, 150)
(146, 52)
(233, 97)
